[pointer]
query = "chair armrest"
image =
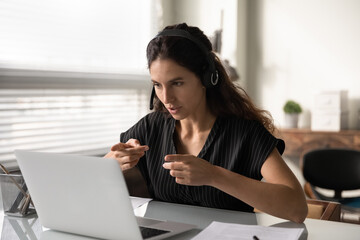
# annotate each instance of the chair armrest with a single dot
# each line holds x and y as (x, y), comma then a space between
(319, 209)
(324, 210)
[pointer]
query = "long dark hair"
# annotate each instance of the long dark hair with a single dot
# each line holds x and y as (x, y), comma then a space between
(226, 99)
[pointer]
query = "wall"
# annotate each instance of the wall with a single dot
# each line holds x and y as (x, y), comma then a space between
(284, 49)
(206, 14)
(301, 47)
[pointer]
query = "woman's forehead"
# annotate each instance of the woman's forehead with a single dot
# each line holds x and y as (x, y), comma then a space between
(162, 70)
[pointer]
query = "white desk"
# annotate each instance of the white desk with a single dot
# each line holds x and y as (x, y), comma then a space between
(13, 228)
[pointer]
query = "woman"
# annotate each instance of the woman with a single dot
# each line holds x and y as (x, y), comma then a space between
(206, 143)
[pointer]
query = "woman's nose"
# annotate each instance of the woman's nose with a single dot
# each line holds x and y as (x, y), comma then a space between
(167, 96)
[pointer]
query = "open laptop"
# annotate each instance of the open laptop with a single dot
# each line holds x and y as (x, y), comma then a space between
(87, 196)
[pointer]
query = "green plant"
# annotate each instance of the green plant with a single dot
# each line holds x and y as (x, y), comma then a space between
(292, 107)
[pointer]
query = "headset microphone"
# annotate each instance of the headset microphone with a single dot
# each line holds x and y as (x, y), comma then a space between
(152, 98)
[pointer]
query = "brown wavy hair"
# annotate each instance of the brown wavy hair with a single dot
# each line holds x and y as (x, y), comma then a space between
(226, 99)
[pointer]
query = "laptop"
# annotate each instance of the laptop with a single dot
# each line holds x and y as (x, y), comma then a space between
(87, 196)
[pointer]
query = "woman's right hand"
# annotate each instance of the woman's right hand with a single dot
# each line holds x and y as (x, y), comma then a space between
(127, 154)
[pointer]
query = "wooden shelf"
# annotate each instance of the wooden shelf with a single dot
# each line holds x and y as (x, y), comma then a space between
(298, 141)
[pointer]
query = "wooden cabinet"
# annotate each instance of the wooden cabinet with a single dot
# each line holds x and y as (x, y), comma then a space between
(298, 141)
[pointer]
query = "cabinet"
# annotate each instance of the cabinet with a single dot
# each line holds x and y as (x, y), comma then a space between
(297, 141)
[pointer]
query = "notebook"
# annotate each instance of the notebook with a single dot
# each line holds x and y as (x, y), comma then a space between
(87, 196)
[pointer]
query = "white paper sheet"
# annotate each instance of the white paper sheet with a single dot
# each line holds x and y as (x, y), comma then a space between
(139, 205)
(229, 231)
(137, 202)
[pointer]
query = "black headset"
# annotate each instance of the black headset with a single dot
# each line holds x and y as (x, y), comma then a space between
(211, 76)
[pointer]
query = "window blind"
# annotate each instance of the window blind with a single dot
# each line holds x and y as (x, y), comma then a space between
(86, 121)
(72, 73)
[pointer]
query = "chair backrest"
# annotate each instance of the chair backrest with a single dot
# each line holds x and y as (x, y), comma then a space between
(336, 169)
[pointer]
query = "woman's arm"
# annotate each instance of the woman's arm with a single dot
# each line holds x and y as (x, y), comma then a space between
(128, 155)
(136, 183)
(281, 195)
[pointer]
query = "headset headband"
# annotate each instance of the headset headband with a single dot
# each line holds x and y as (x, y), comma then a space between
(184, 34)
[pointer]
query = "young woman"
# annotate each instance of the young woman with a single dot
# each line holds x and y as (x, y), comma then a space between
(206, 143)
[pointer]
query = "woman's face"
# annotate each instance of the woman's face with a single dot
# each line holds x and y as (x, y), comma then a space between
(179, 89)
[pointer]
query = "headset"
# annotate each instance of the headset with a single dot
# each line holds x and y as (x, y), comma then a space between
(211, 76)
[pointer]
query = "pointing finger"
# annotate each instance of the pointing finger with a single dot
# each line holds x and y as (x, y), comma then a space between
(127, 147)
(120, 146)
(134, 150)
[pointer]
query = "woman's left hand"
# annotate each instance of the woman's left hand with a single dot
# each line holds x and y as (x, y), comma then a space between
(189, 170)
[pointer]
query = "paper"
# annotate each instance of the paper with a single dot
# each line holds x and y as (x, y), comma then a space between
(137, 202)
(229, 231)
(139, 205)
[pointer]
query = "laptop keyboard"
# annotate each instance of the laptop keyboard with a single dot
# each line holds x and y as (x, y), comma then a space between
(151, 232)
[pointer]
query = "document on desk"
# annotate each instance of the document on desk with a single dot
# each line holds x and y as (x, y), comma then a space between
(138, 202)
(229, 231)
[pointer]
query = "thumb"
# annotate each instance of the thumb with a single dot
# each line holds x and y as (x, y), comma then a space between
(133, 142)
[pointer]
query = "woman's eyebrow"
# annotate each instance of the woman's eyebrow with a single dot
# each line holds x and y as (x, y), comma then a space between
(172, 80)
(176, 79)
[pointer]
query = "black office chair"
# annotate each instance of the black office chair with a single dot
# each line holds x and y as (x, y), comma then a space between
(333, 169)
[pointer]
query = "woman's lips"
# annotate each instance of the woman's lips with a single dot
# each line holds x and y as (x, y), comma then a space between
(174, 110)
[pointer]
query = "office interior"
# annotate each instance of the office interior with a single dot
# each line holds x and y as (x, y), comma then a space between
(280, 50)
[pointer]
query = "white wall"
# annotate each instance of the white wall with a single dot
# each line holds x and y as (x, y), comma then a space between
(284, 49)
(206, 14)
(301, 47)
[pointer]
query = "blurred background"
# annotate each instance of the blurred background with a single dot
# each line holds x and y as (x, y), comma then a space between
(73, 73)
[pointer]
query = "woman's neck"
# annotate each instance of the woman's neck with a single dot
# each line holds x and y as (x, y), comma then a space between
(191, 134)
(196, 124)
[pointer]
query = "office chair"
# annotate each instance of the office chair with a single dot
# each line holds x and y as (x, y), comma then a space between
(333, 169)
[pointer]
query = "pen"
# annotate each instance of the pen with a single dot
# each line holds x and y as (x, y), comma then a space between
(255, 238)
(13, 180)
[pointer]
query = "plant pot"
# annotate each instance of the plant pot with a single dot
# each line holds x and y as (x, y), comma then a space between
(291, 120)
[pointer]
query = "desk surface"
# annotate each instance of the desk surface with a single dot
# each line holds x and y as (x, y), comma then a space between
(30, 227)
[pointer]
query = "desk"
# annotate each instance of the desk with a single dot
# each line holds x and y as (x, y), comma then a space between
(202, 217)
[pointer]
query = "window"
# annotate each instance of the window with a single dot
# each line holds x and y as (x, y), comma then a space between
(86, 121)
(72, 73)
(76, 35)
(82, 113)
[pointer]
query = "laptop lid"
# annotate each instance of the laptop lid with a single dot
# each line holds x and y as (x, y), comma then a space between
(81, 194)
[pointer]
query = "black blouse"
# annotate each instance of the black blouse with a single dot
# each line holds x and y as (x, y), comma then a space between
(236, 144)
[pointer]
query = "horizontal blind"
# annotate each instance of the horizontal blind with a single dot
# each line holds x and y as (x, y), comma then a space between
(84, 121)
(50, 51)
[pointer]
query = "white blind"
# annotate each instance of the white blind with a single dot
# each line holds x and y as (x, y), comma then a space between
(76, 35)
(72, 73)
(66, 120)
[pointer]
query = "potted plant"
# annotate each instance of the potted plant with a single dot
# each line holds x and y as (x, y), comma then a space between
(292, 110)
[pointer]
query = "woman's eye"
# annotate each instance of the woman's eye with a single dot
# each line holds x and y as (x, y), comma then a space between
(178, 83)
(156, 85)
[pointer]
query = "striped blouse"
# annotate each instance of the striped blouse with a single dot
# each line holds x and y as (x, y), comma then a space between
(236, 144)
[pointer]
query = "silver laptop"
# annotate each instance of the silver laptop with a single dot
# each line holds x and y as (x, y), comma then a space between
(87, 196)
